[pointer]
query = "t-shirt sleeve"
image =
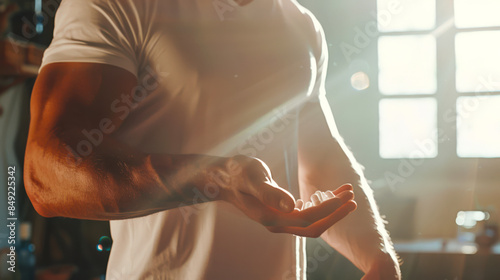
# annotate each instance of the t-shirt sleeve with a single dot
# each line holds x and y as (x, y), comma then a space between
(92, 31)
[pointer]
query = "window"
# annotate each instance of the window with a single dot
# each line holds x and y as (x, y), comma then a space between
(423, 46)
(476, 13)
(407, 64)
(478, 126)
(414, 120)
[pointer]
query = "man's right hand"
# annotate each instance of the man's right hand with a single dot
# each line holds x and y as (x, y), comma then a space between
(247, 184)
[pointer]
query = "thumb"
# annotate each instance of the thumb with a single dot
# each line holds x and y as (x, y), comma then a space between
(275, 197)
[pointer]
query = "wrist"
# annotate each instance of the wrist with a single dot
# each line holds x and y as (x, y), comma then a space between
(214, 178)
(190, 178)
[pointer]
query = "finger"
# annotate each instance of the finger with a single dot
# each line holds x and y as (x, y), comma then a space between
(313, 214)
(299, 204)
(274, 197)
(320, 197)
(343, 188)
(310, 214)
(323, 196)
(329, 194)
(269, 216)
(316, 229)
(315, 199)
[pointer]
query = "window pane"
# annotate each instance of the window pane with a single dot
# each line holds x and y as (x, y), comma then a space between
(478, 126)
(406, 15)
(477, 13)
(478, 61)
(408, 128)
(407, 64)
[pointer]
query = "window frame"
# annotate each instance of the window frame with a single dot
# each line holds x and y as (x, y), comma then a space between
(446, 94)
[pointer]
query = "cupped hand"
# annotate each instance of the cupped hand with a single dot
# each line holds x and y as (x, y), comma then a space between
(312, 218)
(247, 184)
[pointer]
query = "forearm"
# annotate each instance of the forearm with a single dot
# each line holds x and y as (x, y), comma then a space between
(361, 236)
(326, 163)
(115, 181)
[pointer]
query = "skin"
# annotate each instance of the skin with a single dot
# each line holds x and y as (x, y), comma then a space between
(324, 161)
(116, 181)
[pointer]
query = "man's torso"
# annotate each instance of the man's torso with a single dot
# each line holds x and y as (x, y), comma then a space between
(213, 78)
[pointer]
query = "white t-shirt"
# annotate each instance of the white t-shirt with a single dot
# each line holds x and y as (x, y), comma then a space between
(213, 78)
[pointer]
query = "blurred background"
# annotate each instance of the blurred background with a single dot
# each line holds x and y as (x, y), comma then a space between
(415, 89)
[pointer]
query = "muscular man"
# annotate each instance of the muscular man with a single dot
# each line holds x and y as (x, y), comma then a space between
(167, 117)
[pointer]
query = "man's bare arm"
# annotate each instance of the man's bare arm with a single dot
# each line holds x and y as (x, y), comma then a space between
(116, 181)
(325, 161)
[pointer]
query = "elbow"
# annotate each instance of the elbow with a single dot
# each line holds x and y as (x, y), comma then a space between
(38, 193)
(42, 210)
(51, 173)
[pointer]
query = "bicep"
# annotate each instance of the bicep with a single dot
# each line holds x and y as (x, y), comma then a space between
(78, 95)
(62, 176)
